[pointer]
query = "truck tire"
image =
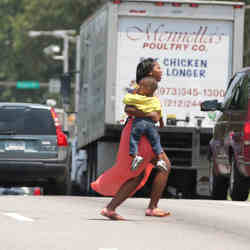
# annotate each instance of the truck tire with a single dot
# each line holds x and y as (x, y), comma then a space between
(188, 185)
(91, 167)
(75, 189)
(181, 184)
(238, 187)
(218, 185)
(83, 183)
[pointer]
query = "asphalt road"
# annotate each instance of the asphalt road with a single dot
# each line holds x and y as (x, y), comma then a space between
(69, 223)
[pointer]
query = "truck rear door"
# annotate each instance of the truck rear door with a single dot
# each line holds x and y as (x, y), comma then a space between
(192, 45)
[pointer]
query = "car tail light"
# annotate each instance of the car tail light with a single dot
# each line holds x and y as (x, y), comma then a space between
(55, 118)
(37, 191)
(246, 142)
(231, 134)
(247, 133)
(176, 4)
(61, 137)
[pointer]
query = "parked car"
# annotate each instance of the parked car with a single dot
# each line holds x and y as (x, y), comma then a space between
(21, 191)
(229, 148)
(34, 151)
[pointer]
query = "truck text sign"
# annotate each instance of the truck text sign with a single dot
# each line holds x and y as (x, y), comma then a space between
(195, 57)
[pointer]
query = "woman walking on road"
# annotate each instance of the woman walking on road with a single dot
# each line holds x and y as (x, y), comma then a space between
(119, 181)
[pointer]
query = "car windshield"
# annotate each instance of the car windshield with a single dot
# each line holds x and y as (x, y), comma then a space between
(26, 121)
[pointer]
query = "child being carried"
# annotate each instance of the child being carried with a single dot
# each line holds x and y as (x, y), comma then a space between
(145, 101)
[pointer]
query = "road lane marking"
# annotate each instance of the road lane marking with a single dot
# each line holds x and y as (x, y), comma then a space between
(19, 217)
(236, 203)
(107, 248)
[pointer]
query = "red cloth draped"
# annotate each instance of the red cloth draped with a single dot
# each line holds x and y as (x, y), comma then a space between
(111, 180)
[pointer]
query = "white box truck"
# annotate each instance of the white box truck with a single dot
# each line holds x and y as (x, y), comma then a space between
(199, 45)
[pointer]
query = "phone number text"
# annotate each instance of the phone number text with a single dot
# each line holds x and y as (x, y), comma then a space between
(180, 103)
(191, 92)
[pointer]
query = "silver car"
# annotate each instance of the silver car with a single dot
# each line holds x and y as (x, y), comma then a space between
(34, 151)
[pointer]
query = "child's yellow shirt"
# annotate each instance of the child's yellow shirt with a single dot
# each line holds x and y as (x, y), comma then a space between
(143, 103)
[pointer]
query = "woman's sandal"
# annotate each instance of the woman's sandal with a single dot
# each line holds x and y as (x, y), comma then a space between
(111, 214)
(156, 212)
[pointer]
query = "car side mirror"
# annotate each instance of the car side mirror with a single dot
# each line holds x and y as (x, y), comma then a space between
(211, 105)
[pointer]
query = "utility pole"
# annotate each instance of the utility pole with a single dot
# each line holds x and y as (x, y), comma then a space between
(77, 84)
(67, 36)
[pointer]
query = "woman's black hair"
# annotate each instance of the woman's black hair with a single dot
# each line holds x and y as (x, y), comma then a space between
(144, 68)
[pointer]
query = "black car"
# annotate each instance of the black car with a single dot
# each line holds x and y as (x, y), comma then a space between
(229, 149)
(34, 151)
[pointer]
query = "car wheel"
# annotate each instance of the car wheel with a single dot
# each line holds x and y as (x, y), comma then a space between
(238, 187)
(218, 185)
(59, 187)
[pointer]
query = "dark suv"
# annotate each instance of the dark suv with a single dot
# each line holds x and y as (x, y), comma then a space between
(34, 151)
(229, 149)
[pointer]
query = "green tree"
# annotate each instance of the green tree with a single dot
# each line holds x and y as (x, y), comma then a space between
(22, 56)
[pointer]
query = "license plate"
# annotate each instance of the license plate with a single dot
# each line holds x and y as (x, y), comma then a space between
(15, 146)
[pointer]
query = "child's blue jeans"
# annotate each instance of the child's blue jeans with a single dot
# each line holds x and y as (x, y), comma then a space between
(144, 126)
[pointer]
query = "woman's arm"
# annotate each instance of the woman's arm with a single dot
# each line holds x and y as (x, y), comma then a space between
(131, 110)
(161, 123)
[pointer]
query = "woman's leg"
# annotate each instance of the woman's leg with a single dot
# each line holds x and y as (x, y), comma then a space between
(159, 184)
(126, 189)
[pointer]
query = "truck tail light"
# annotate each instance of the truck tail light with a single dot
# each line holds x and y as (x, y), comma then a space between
(61, 137)
(176, 4)
(238, 6)
(194, 5)
(159, 4)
